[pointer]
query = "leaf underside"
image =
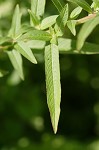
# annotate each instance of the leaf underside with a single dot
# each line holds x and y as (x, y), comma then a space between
(86, 30)
(52, 71)
(16, 60)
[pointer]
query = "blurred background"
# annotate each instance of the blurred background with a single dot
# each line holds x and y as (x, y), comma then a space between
(24, 117)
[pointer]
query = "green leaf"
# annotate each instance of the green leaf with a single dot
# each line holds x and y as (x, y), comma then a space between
(68, 46)
(52, 71)
(95, 7)
(36, 44)
(71, 25)
(34, 21)
(83, 4)
(61, 21)
(96, 2)
(16, 23)
(5, 40)
(38, 7)
(86, 30)
(16, 61)
(59, 4)
(23, 48)
(74, 14)
(36, 35)
(48, 22)
(3, 73)
(25, 29)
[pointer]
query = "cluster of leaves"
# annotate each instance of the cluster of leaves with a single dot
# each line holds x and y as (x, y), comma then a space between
(21, 40)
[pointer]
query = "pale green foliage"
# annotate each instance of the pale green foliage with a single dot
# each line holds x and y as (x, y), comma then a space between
(83, 4)
(16, 23)
(16, 60)
(23, 48)
(68, 46)
(71, 25)
(96, 2)
(59, 4)
(86, 29)
(38, 7)
(36, 35)
(33, 19)
(74, 14)
(48, 22)
(61, 21)
(53, 83)
(45, 35)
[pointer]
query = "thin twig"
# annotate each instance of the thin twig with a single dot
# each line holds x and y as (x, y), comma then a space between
(85, 19)
(2, 48)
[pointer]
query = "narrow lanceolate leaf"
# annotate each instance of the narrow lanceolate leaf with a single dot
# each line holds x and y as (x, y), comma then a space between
(23, 48)
(5, 40)
(61, 21)
(36, 45)
(25, 28)
(86, 30)
(16, 23)
(52, 71)
(16, 60)
(68, 46)
(59, 4)
(83, 4)
(74, 14)
(36, 35)
(33, 19)
(71, 25)
(48, 22)
(38, 7)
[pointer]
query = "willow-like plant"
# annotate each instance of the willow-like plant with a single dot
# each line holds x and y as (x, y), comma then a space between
(47, 34)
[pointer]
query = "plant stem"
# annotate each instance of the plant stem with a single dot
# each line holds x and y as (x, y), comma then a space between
(2, 48)
(85, 19)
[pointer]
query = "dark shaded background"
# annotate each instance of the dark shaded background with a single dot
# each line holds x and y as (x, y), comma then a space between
(24, 116)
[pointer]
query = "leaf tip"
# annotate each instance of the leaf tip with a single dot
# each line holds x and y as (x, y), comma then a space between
(55, 130)
(29, 11)
(17, 6)
(55, 124)
(34, 61)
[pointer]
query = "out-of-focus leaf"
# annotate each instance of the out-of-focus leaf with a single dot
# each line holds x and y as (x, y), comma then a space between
(61, 21)
(83, 4)
(3, 73)
(95, 7)
(71, 25)
(68, 46)
(48, 22)
(16, 60)
(36, 35)
(13, 79)
(5, 40)
(36, 44)
(38, 7)
(59, 4)
(33, 19)
(25, 29)
(16, 23)
(96, 2)
(6, 8)
(23, 48)
(65, 46)
(74, 14)
(52, 71)
(86, 30)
